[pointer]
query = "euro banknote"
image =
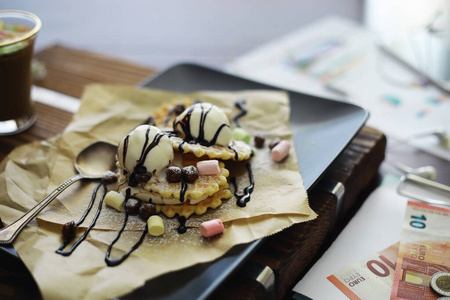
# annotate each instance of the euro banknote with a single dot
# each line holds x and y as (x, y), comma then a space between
(370, 278)
(403, 270)
(423, 251)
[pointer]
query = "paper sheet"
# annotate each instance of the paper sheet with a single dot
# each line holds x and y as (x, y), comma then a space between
(108, 113)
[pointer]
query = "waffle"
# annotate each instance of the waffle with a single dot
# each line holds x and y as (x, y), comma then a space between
(163, 115)
(186, 209)
(203, 187)
(236, 150)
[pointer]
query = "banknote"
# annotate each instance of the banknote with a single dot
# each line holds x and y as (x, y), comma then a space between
(423, 251)
(403, 270)
(370, 278)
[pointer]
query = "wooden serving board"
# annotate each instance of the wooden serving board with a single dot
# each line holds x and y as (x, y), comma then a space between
(287, 254)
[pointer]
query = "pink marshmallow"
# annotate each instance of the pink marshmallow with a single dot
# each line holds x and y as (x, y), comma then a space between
(208, 167)
(280, 151)
(211, 228)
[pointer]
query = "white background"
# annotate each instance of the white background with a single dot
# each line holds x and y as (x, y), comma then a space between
(159, 33)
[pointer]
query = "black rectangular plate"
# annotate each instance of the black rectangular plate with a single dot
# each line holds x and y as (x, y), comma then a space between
(321, 130)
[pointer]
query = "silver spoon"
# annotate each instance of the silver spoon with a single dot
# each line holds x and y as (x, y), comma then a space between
(92, 163)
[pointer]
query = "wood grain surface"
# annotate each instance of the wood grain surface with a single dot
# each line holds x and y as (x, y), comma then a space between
(289, 253)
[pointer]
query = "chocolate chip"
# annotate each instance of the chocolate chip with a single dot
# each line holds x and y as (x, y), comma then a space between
(190, 173)
(140, 170)
(69, 230)
(132, 180)
(150, 121)
(179, 109)
(259, 141)
(274, 142)
(109, 178)
(173, 174)
(146, 211)
(143, 178)
(133, 206)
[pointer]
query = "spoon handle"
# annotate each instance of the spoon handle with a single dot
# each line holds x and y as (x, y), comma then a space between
(10, 232)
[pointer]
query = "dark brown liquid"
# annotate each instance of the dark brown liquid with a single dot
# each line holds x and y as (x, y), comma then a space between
(239, 104)
(112, 262)
(182, 228)
(245, 197)
(15, 83)
(86, 212)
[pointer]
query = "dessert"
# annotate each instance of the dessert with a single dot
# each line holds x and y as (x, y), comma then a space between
(178, 172)
(150, 152)
(178, 183)
(277, 200)
(204, 124)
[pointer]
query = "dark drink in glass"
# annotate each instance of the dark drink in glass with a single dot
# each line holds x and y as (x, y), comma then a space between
(18, 32)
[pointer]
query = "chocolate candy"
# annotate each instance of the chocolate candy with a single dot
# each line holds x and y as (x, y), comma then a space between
(179, 109)
(211, 228)
(208, 167)
(173, 174)
(132, 206)
(155, 225)
(69, 230)
(115, 200)
(151, 121)
(259, 141)
(190, 173)
(146, 211)
(143, 178)
(140, 170)
(274, 142)
(109, 178)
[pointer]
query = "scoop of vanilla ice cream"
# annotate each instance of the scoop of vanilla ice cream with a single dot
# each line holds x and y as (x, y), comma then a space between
(145, 146)
(203, 123)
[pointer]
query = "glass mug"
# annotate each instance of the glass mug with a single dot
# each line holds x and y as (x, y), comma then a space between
(18, 30)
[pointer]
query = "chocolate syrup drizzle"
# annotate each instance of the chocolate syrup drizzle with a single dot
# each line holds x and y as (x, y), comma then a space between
(83, 217)
(111, 262)
(239, 104)
(144, 153)
(236, 154)
(184, 188)
(185, 124)
(244, 198)
(182, 228)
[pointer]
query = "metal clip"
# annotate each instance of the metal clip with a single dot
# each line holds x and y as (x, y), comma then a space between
(424, 190)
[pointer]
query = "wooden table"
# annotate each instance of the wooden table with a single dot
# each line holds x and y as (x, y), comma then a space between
(287, 255)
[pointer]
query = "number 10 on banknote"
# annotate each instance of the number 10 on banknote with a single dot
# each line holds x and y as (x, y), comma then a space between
(370, 278)
(403, 270)
(424, 250)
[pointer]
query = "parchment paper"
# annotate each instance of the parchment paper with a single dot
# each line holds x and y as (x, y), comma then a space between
(108, 113)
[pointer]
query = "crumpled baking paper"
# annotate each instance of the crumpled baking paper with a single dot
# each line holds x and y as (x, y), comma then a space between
(108, 113)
